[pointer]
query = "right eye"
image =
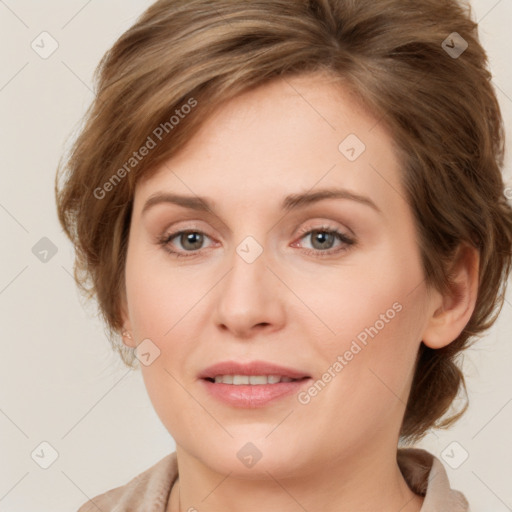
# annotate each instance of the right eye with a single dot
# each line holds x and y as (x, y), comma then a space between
(191, 241)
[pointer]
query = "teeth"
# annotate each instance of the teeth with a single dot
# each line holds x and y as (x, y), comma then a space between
(251, 379)
(240, 379)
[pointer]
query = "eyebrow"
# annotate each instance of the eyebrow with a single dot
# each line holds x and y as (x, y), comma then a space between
(291, 202)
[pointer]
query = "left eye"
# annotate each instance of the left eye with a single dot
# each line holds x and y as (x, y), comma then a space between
(192, 240)
(325, 236)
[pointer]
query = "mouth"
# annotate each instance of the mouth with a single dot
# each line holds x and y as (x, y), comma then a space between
(251, 385)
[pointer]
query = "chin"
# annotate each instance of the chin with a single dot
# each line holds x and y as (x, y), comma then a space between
(254, 460)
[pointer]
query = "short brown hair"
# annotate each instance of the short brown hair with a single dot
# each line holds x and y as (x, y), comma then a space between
(440, 108)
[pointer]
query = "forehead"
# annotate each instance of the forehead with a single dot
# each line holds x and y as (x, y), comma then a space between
(289, 135)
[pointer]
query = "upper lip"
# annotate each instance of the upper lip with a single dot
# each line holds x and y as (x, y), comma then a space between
(250, 368)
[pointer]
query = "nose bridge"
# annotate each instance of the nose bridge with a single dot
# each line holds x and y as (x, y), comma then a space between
(248, 295)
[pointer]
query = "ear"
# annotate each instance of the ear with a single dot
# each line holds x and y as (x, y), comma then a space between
(126, 333)
(451, 312)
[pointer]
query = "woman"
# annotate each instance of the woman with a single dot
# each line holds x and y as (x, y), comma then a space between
(292, 214)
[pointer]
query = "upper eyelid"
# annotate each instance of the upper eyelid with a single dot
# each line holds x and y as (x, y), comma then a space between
(317, 225)
(323, 226)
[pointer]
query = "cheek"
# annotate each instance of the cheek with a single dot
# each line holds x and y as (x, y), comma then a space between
(375, 315)
(159, 295)
(161, 305)
(363, 295)
(367, 370)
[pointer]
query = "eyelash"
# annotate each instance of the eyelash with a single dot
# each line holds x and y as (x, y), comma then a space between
(165, 240)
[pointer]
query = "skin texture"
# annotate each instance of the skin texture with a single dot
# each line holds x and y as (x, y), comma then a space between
(338, 452)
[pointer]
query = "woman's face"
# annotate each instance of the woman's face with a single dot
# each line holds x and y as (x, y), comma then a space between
(263, 276)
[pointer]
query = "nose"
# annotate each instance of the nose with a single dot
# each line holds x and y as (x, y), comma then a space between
(249, 298)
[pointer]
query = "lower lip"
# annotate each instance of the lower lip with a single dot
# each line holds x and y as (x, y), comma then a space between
(253, 396)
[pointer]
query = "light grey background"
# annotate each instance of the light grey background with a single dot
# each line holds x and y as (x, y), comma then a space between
(60, 382)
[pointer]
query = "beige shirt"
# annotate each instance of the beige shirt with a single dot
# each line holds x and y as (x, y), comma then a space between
(150, 490)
